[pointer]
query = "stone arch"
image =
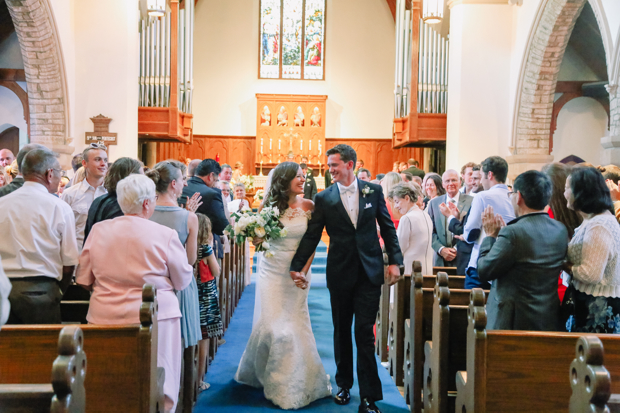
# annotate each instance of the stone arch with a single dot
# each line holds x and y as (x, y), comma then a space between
(23, 97)
(45, 74)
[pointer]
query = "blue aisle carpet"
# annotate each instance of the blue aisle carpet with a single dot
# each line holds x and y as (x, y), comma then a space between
(226, 395)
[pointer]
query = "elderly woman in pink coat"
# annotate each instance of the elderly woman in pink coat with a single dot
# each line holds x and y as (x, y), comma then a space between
(123, 254)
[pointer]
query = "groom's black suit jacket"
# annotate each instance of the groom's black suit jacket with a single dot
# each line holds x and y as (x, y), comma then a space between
(350, 246)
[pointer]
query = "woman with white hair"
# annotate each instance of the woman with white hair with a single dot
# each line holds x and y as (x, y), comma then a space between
(120, 256)
(390, 180)
(415, 232)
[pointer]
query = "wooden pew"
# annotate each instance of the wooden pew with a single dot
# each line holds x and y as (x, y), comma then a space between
(66, 392)
(122, 360)
(521, 371)
(383, 318)
(590, 380)
(420, 330)
(445, 355)
(454, 281)
(399, 312)
(74, 305)
(447, 270)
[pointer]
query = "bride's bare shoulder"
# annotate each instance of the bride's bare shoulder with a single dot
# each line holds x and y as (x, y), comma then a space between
(307, 205)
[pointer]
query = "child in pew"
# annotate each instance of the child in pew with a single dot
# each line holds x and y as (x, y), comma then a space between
(206, 270)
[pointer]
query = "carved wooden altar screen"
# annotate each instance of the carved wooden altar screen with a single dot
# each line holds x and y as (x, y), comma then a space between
(290, 126)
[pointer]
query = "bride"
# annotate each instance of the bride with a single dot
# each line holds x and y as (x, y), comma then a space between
(281, 355)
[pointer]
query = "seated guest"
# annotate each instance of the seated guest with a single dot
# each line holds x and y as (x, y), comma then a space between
(18, 181)
(240, 202)
(169, 180)
(432, 185)
(123, 254)
(594, 254)
(106, 206)
(523, 259)
(38, 247)
(81, 196)
(364, 175)
(415, 230)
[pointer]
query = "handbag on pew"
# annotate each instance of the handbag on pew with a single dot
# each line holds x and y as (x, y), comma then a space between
(567, 309)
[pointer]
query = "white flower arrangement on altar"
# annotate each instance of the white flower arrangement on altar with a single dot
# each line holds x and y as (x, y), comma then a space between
(264, 224)
(260, 194)
(246, 180)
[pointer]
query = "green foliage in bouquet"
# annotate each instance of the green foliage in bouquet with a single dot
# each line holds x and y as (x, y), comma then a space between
(265, 225)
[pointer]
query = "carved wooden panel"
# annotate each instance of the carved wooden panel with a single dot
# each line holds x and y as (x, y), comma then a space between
(289, 124)
(377, 154)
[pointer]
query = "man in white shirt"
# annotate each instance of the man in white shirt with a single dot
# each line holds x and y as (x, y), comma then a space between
(444, 242)
(494, 173)
(81, 196)
(38, 248)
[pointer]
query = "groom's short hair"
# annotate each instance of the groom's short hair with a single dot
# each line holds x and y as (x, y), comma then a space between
(346, 153)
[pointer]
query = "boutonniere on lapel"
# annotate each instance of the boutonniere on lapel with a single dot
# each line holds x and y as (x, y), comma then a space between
(366, 191)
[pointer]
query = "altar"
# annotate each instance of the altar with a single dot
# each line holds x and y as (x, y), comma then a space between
(290, 127)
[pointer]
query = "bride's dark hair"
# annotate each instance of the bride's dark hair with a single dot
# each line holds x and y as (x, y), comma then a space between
(281, 185)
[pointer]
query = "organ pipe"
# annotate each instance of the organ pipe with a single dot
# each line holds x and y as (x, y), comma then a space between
(155, 59)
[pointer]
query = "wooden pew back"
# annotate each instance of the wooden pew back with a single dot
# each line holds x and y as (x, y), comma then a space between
(122, 360)
(447, 270)
(521, 371)
(65, 394)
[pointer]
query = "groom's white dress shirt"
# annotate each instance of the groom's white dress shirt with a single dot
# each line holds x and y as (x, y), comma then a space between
(350, 197)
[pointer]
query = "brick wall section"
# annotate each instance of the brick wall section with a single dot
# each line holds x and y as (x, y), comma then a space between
(541, 73)
(46, 92)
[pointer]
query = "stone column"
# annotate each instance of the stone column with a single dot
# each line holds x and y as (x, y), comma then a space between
(611, 143)
(479, 78)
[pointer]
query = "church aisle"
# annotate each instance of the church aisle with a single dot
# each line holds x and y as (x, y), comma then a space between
(227, 396)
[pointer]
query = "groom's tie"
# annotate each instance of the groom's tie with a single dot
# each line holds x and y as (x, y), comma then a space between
(348, 189)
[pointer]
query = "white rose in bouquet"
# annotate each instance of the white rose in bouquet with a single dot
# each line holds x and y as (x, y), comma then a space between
(260, 232)
(265, 245)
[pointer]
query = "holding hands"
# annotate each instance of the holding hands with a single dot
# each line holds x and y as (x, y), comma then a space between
(300, 279)
(492, 223)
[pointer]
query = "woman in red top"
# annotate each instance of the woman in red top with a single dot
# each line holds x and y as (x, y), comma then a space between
(557, 208)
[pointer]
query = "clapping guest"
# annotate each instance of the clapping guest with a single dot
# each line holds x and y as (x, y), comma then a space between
(123, 254)
(415, 231)
(523, 259)
(611, 173)
(169, 182)
(240, 202)
(107, 206)
(594, 254)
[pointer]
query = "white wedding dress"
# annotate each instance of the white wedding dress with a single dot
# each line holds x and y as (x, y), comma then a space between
(281, 356)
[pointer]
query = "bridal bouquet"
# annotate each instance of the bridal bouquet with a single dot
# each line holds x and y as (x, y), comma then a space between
(264, 224)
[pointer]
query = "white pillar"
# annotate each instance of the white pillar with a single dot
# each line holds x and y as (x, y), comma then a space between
(106, 68)
(479, 78)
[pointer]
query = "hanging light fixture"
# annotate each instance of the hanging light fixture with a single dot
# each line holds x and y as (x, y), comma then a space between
(156, 8)
(432, 11)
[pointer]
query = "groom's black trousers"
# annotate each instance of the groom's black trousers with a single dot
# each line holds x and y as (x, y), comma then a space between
(361, 301)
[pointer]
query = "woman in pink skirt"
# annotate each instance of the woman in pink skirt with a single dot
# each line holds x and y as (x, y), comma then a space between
(123, 254)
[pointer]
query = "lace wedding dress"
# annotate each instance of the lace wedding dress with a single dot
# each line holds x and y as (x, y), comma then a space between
(281, 355)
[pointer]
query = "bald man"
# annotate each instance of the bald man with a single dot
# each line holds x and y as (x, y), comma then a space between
(6, 157)
(444, 243)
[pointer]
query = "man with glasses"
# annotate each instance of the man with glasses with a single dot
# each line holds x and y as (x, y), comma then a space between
(81, 196)
(493, 178)
(523, 259)
(38, 247)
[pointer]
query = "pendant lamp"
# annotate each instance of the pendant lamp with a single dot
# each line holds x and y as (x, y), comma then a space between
(432, 11)
(156, 8)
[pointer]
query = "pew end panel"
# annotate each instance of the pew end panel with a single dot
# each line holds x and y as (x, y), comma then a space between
(399, 312)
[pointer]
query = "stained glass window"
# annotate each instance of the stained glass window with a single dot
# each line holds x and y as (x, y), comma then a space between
(292, 39)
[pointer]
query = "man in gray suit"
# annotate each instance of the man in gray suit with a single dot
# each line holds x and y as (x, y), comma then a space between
(523, 259)
(443, 240)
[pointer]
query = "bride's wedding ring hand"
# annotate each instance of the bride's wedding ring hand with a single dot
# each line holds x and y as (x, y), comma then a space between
(300, 279)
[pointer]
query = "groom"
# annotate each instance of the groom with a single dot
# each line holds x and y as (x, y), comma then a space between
(350, 211)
